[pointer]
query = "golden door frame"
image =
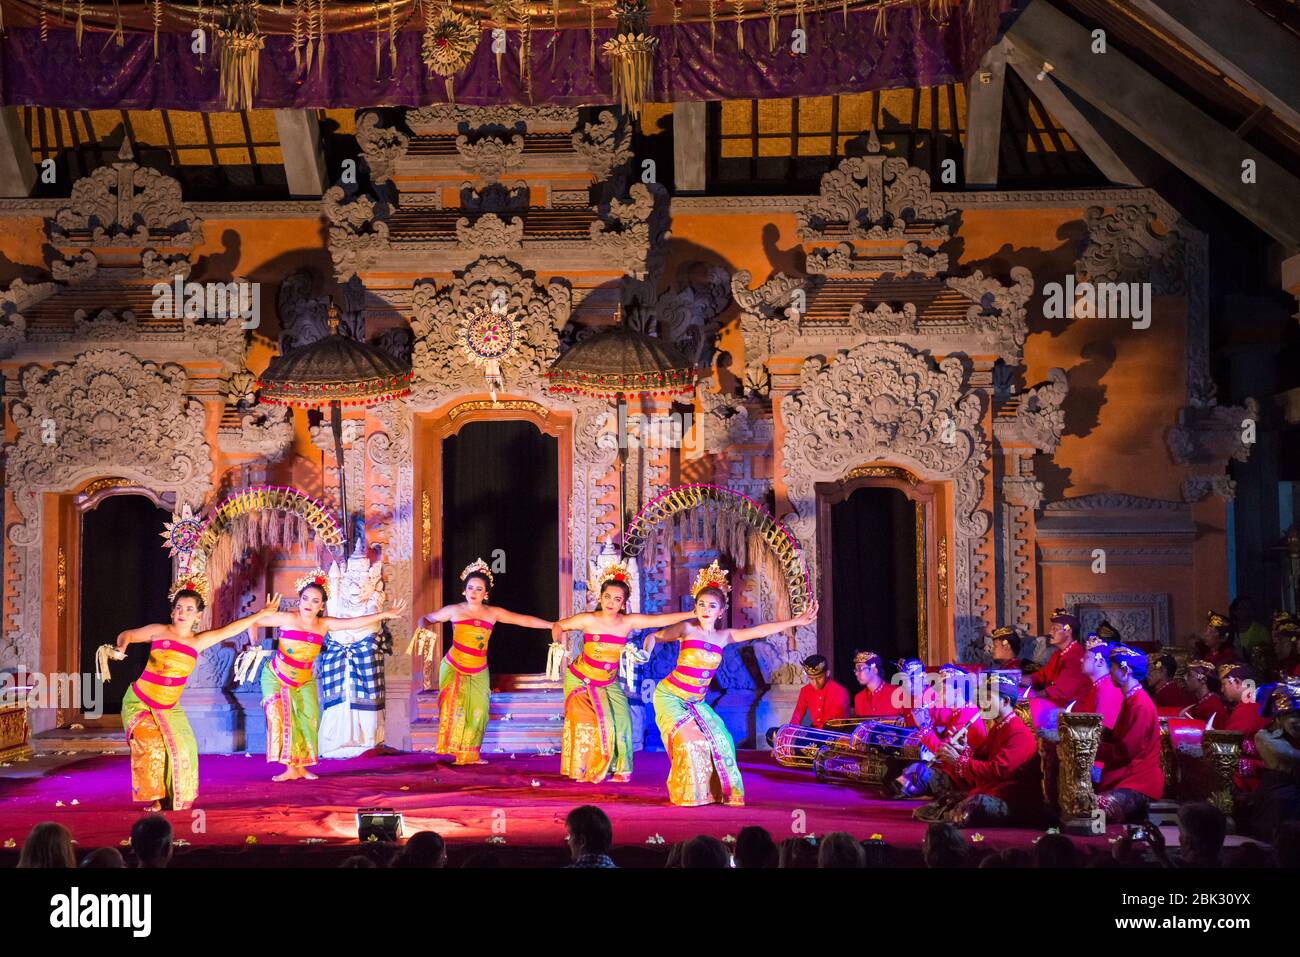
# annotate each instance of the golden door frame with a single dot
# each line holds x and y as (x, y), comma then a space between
(931, 562)
(430, 431)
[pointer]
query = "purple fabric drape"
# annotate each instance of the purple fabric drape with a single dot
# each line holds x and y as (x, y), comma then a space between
(917, 52)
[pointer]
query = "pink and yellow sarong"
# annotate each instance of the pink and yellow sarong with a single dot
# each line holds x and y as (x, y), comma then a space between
(597, 721)
(704, 769)
(464, 692)
(289, 700)
(164, 754)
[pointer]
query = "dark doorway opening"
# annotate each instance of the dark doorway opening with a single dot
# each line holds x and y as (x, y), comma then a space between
(873, 577)
(500, 498)
(125, 575)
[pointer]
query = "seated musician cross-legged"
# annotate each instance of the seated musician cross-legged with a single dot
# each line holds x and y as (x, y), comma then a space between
(1061, 680)
(1129, 754)
(1202, 681)
(941, 715)
(1162, 682)
(999, 781)
(1103, 698)
(1244, 716)
(877, 697)
(820, 700)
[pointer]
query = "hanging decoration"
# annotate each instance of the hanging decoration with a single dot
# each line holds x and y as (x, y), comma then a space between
(81, 22)
(713, 25)
(739, 6)
(591, 33)
(526, 49)
(117, 33)
(241, 49)
(773, 8)
(449, 42)
(501, 12)
(156, 13)
(490, 335)
(631, 55)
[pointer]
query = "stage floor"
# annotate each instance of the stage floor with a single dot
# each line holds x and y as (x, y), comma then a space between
(523, 800)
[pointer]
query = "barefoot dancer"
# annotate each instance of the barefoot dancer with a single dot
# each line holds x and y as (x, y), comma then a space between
(164, 755)
(597, 724)
(288, 686)
(463, 689)
(704, 769)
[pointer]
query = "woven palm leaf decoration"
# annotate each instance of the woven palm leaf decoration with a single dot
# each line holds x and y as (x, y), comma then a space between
(241, 49)
(449, 42)
(631, 55)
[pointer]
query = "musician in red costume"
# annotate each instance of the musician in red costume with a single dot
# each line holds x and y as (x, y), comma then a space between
(1129, 754)
(1162, 685)
(1061, 680)
(1286, 646)
(822, 698)
(877, 697)
(1004, 646)
(1244, 716)
(943, 713)
(1215, 645)
(1202, 681)
(998, 782)
(1103, 698)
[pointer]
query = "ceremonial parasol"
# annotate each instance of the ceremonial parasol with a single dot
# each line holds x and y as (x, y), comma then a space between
(335, 370)
(618, 362)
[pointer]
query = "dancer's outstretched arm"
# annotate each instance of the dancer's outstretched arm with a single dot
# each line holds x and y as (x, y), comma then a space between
(658, 621)
(671, 633)
(523, 621)
(445, 613)
(143, 633)
(773, 627)
(365, 621)
(215, 636)
(579, 622)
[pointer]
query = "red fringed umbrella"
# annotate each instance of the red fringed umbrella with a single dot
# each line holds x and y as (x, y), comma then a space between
(334, 371)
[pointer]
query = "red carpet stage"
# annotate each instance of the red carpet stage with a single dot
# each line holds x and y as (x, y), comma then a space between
(523, 800)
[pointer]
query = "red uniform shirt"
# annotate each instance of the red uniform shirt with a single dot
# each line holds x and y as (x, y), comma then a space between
(1172, 694)
(831, 701)
(1130, 753)
(1103, 698)
(1062, 680)
(1245, 717)
(1224, 656)
(1211, 704)
(1005, 765)
(871, 704)
(946, 722)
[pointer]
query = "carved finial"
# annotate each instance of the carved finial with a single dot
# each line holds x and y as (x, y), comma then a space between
(873, 141)
(126, 153)
(332, 318)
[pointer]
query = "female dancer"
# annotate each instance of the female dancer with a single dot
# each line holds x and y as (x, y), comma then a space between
(164, 754)
(704, 769)
(463, 692)
(288, 685)
(597, 724)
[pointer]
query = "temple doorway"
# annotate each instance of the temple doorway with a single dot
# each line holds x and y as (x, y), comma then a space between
(125, 575)
(500, 499)
(872, 544)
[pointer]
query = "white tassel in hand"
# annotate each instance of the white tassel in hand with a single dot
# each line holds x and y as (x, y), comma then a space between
(556, 657)
(102, 654)
(248, 662)
(632, 657)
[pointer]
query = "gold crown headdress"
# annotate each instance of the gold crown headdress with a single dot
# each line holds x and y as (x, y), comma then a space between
(317, 577)
(866, 658)
(613, 571)
(1215, 620)
(715, 576)
(480, 566)
(194, 583)
(1202, 666)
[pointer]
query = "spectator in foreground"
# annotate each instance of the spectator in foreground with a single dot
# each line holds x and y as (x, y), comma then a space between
(357, 861)
(590, 835)
(705, 852)
(797, 852)
(840, 849)
(424, 849)
(49, 845)
(1055, 850)
(1201, 830)
(755, 848)
(102, 858)
(944, 846)
(151, 840)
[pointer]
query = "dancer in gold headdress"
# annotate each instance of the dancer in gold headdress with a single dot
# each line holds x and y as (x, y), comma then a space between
(288, 684)
(463, 690)
(164, 754)
(597, 723)
(704, 769)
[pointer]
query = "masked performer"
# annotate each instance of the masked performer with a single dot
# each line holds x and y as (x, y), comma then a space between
(288, 684)
(464, 693)
(164, 754)
(999, 780)
(1129, 754)
(704, 769)
(597, 739)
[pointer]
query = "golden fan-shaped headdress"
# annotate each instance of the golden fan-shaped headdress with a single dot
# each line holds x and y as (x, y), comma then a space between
(194, 583)
(317, 577)
(480, 566)
(612, 571)
(715, 576)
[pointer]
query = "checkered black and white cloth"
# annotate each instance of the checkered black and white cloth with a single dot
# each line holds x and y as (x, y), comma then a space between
(363, 662)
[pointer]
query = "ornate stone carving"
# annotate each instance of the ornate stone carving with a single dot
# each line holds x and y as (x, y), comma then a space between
(603, 145)
(769, 318)
(494, 198)
(627, 231)
(1125, 245)
(1138, 616)
(440, 366)
(75, 270)
(886, 401)
(999, 311)
(127, 205)
(107, 412)
(1040, 419)
(490, 156)
(154, 265)
(357, 224)
(1099, 501)
(381, 145)
(489, 234)
(474, 117)
(1196, 488)
(104, 324)
(15, 300)
(840, 260)
(690, 313)
(264, 431)
(883, 320)
(1213, 435)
